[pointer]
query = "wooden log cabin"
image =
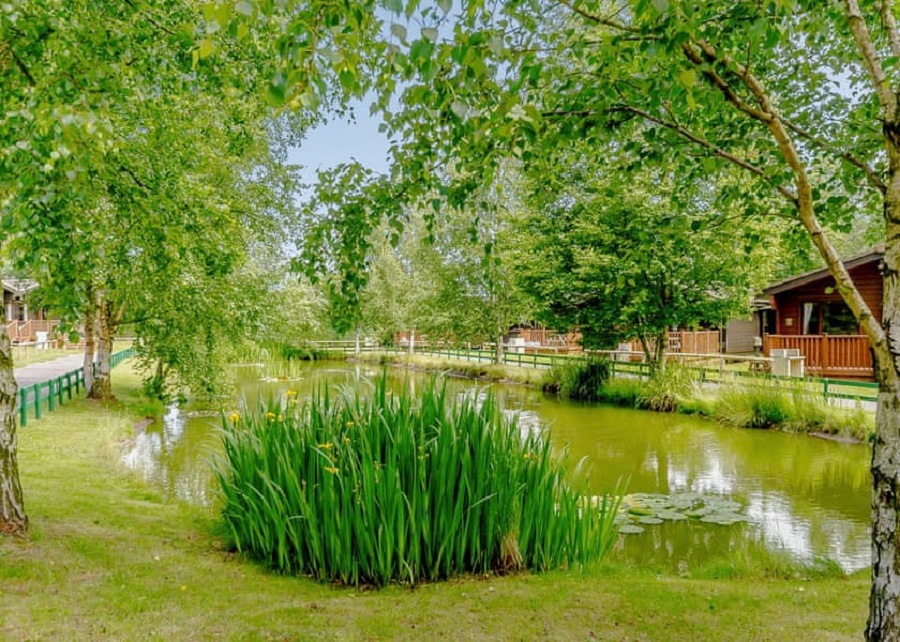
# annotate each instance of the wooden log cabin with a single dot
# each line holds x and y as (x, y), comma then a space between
(810, 315)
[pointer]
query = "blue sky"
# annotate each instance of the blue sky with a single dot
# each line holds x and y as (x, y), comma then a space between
(340, 141)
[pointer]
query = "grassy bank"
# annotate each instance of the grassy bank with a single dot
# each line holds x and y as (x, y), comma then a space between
(108, 559)
(454, 367)
(763, 403)
(753, 402)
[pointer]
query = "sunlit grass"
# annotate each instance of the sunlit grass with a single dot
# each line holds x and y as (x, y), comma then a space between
(108, 558)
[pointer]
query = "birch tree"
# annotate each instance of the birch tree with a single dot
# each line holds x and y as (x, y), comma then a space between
(801, 95)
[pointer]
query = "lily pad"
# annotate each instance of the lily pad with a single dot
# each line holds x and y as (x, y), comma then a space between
(655, 508)
(723, 518)
(640, 511)
(631, 529)
(671, 515)
(650, 520)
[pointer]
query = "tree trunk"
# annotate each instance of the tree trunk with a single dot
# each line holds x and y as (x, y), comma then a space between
(12, 505)
(90, 347)
(659, 353)
(498, 351)
(412, 341)
(645, 346)
(102, 388)
(884, 599)
(356, 342)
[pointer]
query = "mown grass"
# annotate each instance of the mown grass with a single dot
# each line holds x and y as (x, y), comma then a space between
(108, 559)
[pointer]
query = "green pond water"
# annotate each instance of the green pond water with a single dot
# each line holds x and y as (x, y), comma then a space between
(800, 496)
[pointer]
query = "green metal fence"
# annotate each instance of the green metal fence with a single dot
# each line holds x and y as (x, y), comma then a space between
(45, 396)
(830, 388)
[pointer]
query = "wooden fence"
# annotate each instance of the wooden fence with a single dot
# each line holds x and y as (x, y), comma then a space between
(688, 341)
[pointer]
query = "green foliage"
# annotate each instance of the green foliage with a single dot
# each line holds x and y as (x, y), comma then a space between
(134, 183)
(579, 380)
(625, 263)
(391, 488)
(290, 352)
(451, 277)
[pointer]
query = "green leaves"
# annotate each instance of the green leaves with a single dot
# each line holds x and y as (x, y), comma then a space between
(244, 8)
(399, 31)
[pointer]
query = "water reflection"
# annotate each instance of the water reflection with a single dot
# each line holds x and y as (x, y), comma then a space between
(174, 455)
(805, 496)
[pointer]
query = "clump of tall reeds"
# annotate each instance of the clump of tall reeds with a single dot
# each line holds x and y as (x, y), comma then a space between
(667, 388)
(579, 380)
(766, 402)
(381, 488)
(758, 403)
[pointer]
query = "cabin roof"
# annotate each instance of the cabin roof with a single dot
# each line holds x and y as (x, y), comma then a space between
(875, 254)
(18, 286)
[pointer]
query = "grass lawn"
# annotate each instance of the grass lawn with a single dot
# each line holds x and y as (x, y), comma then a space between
(108, 559)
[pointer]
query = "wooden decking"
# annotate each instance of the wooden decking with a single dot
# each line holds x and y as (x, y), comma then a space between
(26, 331)
(827, 356)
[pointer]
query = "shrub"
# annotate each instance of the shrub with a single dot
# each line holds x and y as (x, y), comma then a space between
(579, 380)
(388, 488)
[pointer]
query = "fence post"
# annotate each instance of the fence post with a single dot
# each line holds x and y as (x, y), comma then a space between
(51, 396)
(23, 407)
(59, 390)
(37, 401)
(825, 388)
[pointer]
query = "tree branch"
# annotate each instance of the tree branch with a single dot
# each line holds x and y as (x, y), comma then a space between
(890, 25)
(22, 66)
(709, 56)
(871, 59)
(598, 19)
(871, 175)
(715, 149)
(151, 19)
(134, 177)
(806, 209)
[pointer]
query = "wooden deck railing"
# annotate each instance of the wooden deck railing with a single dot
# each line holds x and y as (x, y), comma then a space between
(827, 355)
(25, 331)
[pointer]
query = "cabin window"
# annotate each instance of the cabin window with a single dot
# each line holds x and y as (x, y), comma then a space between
(812, 318)
(838, 319)
(828, 318)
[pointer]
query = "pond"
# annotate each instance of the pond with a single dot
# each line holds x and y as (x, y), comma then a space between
(806, 497)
